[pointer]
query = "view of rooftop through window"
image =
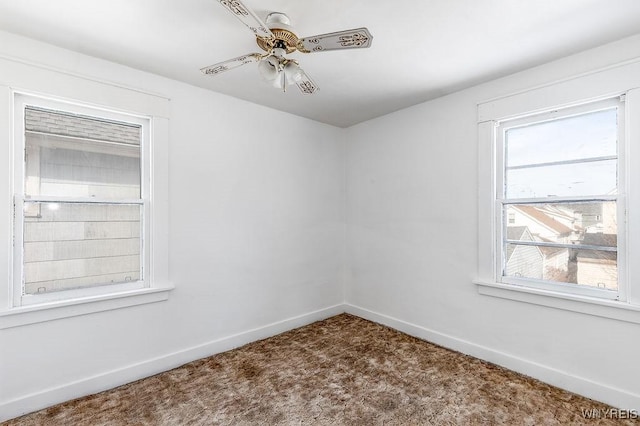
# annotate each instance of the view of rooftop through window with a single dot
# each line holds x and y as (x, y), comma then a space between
(559, 203)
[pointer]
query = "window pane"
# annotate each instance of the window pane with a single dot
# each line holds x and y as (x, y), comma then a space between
(582, 224)
(593, 268)
(591, 178)
(79, 245)
(578, 137)
(70, 155)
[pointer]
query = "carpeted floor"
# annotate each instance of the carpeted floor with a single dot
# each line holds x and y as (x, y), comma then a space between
(341, 371)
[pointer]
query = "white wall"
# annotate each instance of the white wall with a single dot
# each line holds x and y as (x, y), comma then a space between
(412, 245)
(256, 216)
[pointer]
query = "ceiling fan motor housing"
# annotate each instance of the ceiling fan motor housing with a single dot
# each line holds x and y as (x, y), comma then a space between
(284, 35)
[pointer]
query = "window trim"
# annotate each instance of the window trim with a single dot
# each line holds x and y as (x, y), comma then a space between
(616, 80)
(21, 101)
(605, 308)
(102, 96)
(32, 314)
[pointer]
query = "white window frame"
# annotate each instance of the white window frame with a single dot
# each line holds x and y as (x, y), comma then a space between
(619, 197)
(21, 102)
(614, 81)
(51, 88)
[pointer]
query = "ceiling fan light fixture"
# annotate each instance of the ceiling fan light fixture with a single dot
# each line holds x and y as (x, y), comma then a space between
(272, 71)
(279, 82)
(292, 72)
(269, 68)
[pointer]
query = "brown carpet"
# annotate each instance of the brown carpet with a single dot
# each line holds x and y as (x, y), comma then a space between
(341, 371)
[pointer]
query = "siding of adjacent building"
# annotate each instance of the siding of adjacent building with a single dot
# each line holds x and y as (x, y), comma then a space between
(523, 261)
(71, 245)
(596, 272)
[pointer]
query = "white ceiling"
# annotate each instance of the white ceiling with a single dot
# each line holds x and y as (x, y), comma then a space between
(421, 49)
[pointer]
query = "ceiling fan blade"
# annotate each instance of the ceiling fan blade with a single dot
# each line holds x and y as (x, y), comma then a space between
(231, 64)
(305, 84)
(247, 17)
(348, 39)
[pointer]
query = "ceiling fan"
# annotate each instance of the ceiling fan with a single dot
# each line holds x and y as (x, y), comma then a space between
(277, 38)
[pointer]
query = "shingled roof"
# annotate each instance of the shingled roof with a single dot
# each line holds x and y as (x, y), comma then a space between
(544, 219)
(597, 239)
(66, 124)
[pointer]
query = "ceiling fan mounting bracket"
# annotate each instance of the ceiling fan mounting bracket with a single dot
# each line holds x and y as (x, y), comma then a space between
(283, 35)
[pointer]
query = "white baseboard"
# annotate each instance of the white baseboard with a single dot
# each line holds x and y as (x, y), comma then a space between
(101, 382)
(579, 385)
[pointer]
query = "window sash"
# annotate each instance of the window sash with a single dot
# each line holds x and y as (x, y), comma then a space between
(501, 202)
(560, 245)
(20, 102)
(562, 163)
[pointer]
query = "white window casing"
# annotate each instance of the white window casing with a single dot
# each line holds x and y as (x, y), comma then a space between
(20, 296)
(104, 100)
(619, 82)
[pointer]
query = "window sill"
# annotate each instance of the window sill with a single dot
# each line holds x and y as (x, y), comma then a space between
(586, 305)
(16, 317)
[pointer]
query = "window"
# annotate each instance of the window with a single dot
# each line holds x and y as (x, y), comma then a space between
(80, 217)
(558, 197)
(88, 223)
(559, 194)
(79, 194)
(86, 196)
